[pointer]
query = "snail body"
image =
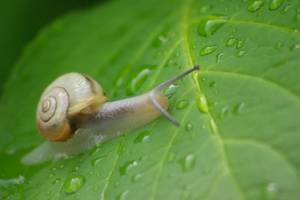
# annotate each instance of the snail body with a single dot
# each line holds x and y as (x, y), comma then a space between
(74, 115)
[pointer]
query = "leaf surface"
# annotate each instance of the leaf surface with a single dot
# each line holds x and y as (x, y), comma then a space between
(240, 133)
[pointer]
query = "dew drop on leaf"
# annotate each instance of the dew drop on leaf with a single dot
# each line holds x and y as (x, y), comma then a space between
(240, 53)
(188, 162)
(270, 192)
(209, 25)
(51, 176)
(230, 42)
(159, 40)
(240, 43)
(171, 90)
(139, 79)
(182, 104)
(204, 9)
(123, 195)
(128, 166)
(171, 157)
(206, 170)
(223, 112)
(56, 181)
(73, 184)
(233, 29)
(202, 104)
(297, 17)
(212, 84)
(137, 177)
(96, 161)
(275, 4)
(286, 8)
(142, 137)
(255, 5)
(176, 55)
(48, 192)
(279, 45)
(207, 50)
(169, 63)
(238, 109)
(189, 127)
(295, 47)
(218, 56)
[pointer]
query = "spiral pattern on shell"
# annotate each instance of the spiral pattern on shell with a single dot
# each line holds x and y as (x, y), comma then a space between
(52, 115)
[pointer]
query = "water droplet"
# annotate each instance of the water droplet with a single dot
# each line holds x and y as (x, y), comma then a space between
(171, 157)
(255, 5)
(182, 104)
(207, 50)
(116, 183)
(53, 169)
(271, 191)
(209, 25)
(275, 4)
(176, 55)
(48, 192)
(139, 79)
(169, 63)
(240, 53)
(62, 166)
(279, 45)
(240, 43)
(202, 104)
(189, 127)
(76, 168)
(98, 175)
(96, 161)
(51, 176)
(128, 166)
(212, 84)
(171, 90)
(123, 195)
(286, 8)
(186, 194)
(137, 177)
(206, 170)
(188, 162)
(95, 150)
(223, 112)
(238, 109)
(91, 172)
(218, 56)
(73, 184)
(56, 181)
(204, 9)
(142, 137)
(230, 42)
(295, 47)
(159, 40)
(233, 29)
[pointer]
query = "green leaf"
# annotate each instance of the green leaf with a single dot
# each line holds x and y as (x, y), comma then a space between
(240, 133)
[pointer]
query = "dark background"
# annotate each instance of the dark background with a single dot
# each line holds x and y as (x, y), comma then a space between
(20, 21)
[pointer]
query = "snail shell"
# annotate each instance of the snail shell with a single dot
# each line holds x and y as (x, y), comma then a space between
(70, 98)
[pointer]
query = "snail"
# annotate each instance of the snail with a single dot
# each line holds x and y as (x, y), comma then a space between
(74, 115)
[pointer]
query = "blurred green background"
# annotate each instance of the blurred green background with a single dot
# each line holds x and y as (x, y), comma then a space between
(20, 21)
